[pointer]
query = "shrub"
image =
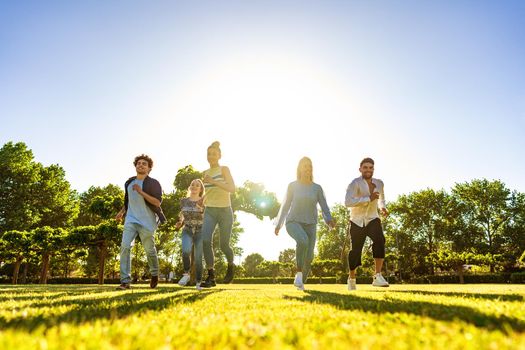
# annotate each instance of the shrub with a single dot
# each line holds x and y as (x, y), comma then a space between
(517, 277)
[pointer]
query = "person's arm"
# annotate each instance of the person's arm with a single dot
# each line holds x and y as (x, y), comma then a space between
(120, 214)
(325, 210)
(122, 211)
(285, 208)
(351, 198)
(228, 184)
(381, 203)
(155, 195)
(179, 223)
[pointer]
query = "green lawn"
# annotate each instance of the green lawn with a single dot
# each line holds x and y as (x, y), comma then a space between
(263, 316)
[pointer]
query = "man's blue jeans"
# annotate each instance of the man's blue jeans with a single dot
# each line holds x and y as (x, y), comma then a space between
(131, 231)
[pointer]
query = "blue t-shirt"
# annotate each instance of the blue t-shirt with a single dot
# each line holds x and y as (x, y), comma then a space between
(138, 212)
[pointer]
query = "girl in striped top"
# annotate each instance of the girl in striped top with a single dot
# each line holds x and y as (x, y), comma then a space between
(219, 185)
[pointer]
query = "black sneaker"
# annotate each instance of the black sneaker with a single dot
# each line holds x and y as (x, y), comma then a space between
(154, 281)
(210, 280)
(229, 274)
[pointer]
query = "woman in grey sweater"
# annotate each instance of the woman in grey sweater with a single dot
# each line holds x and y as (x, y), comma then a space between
(299, 210)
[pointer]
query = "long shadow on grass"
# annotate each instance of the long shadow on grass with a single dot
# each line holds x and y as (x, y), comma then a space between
(420, 308)
(118, 305)
(501, 297)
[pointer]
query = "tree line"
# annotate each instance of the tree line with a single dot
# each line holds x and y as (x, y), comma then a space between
(49, 229)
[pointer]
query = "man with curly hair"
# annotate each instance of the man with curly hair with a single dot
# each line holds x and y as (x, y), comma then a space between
(142, 214)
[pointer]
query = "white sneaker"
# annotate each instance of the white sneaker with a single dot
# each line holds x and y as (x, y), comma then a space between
(298, 281)
(351, 284)
(184, 280)
(379, 281)
(198, 286)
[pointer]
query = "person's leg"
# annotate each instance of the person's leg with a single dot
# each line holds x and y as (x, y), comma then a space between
(301, 239)
(225, 220)
(197, 251)
(128, 236)
(310, 231)
(147, 238)
(297, 232)
(357, 239)
(208, 226)
(187, 242)
(375, 232)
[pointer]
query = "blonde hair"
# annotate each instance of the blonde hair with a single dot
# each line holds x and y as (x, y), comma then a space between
(201, 193)
(301, 162)
(215, 145)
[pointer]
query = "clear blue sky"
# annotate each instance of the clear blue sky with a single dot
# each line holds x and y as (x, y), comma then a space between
(433, 90)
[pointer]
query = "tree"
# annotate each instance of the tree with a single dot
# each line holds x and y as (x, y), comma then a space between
(447, 259)
(105, 237)
(332, 243)
(98, 204)
(287, 257)
(18, 173)
(269, 268)
(52, 194)
(325, 268)
(486, 209)
(16, 246)
(250, 264)
(252, 198)
(47, 240)
(514, 232)
(427, 215)
(32, 195)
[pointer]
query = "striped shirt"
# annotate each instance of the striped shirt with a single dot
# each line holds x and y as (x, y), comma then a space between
(215, 196)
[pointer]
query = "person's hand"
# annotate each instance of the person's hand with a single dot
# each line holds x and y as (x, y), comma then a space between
(277, 231)
(332, 224)
(119, 216)
(178, 225)
(384, 212)
(137, 188)
(374, 196)
(200, 202)
(207, 179)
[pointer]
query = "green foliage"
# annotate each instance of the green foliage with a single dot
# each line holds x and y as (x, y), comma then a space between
(326, 267)
(272, 269)
(98, 204)
(250, 264)
(334, 244)
(18, 173)
(517, 277)
(52, 194)
(447, 259)
(486, 209)
(32, 195)
(252, 198)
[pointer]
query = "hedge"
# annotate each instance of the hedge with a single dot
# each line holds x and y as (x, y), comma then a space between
(517, 277)
(451, 279)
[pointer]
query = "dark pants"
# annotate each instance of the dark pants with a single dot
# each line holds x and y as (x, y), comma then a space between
(358, 236)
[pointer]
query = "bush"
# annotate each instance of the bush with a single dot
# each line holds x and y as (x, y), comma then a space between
(485, 278)
(81, 280)
(517, 277)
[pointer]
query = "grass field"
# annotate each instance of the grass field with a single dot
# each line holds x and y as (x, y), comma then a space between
(263, 316)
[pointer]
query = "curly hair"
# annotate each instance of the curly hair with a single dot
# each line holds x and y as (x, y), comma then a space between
(143, 157)
(367, 160)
